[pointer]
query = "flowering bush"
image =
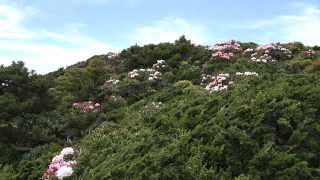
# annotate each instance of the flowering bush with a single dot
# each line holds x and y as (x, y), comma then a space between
(310, 54)
(248, 51)
(60, 167)
(160, 65)
(112, 81)
(145, 74)
(151, 74)
(247, 73)
(4, 84)
(151, 108)
(215, 83)
(86, 106)
(221, 81)
(112, 55)
(110, 84)
(268, 53)
(225, 51)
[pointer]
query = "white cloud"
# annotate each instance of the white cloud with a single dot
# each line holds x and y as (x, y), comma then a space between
(43, 56)
(46, 58)
(303, 26)
(10, 23)
(169, 30)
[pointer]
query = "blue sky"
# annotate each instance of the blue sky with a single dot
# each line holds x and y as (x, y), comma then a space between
(48, 34)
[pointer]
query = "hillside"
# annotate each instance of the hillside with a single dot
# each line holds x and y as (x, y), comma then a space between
(232, 110)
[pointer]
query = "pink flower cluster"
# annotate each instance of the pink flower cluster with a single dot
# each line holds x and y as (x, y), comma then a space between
(268, 53)
(86, 106)
(310, 54)
(222, 81)
(59, 166)
(216, 83)
(151, 74)
(226, 50)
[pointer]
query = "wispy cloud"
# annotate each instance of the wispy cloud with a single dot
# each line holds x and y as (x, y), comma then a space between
(35, 47)
(168, 30)
(10, 23)
(303, 26)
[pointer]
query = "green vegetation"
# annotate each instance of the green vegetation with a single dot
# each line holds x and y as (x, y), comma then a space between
(261, 127)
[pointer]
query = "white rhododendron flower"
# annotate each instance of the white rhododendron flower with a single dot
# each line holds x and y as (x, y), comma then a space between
(269, 53)
(67, 151)
(64, 171)
(151, 74)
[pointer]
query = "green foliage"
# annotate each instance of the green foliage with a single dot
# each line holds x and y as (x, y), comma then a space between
(314, 67)
(295, 47)
(298, 66)
(264, 127)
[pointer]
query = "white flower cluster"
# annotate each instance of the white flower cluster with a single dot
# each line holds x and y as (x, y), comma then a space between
(269, 53)
(5, 83)
(156, 105)
(247, 73)
(112, 55)
(156, 75)
(135, 73)
(112, 81)
(248, 51)
(151, 108)
(161, 64)
(151, 74)
(221, 81)
(206, 78)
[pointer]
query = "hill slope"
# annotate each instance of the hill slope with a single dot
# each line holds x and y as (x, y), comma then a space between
(230, 111)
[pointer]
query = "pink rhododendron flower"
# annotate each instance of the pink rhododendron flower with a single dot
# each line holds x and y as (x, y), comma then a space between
(309, 54)
(86, 106)
(57, 158)
(225, 51)
(221, 81)
(59, 167)
(216, 83)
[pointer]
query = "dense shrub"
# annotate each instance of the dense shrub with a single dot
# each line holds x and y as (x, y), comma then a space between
(262, 124)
